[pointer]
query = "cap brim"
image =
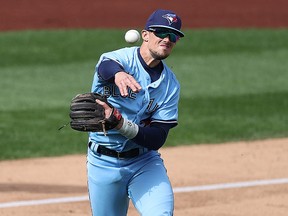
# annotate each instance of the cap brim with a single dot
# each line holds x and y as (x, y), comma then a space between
(181, 34)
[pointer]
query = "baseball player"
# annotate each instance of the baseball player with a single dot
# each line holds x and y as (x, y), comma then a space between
(124, 164)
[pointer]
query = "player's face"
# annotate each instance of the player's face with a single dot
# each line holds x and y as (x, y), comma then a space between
(161, 44)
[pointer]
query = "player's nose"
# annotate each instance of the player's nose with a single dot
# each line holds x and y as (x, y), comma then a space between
(167, 38)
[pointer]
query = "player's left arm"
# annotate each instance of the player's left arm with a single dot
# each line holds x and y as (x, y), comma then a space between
(164, 118)
(152, 137)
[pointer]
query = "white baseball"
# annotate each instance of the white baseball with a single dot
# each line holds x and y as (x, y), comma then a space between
(132, 36)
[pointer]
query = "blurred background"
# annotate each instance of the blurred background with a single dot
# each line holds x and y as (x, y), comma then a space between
(43, 14)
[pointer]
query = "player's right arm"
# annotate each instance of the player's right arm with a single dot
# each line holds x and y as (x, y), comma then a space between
(111, 71)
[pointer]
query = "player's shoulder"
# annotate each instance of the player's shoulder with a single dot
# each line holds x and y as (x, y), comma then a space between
(120, 54)
(170, 74)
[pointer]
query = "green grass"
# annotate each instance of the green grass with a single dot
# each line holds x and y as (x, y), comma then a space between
(233, 86)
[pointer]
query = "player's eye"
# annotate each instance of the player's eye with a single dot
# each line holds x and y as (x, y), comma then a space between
(163, 34)
(172, 37)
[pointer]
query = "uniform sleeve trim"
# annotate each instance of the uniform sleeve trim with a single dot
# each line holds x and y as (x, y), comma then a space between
(165, 121)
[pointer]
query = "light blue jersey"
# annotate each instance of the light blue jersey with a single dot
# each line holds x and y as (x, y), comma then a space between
(156, 102)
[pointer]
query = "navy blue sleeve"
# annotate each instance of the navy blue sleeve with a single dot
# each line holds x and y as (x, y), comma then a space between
(153, 137)
(107, 70)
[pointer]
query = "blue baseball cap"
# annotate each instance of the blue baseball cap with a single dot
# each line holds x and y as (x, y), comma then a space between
(165, 19)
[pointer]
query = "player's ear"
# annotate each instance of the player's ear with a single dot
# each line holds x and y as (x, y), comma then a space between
(145, 35)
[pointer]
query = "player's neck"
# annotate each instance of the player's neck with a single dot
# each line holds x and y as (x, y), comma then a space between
(149, 60)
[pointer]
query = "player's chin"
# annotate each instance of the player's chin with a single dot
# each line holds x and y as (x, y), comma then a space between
(161, 56)
(164, 54)
(161, 53)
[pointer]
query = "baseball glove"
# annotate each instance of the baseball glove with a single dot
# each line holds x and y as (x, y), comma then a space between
(88, 116)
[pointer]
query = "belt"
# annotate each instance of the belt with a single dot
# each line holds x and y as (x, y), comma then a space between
(120, 155)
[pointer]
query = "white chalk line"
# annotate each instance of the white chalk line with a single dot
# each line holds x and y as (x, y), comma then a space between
(176, 190)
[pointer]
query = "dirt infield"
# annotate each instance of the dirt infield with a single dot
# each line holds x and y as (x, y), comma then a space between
(188, 166)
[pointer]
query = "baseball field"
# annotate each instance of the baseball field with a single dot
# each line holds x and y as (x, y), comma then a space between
(228, 156)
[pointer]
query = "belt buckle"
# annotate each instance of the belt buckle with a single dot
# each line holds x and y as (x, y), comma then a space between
(119, 156)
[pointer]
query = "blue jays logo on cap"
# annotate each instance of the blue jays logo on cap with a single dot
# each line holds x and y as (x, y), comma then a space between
(171, 18)
(165, 19)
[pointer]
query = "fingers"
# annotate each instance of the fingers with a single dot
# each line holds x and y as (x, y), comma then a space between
(108, 110)
(105, 106)
(125, 81)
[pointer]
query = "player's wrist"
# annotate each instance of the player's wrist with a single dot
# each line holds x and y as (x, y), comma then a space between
(120, 124)
(127, 128)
